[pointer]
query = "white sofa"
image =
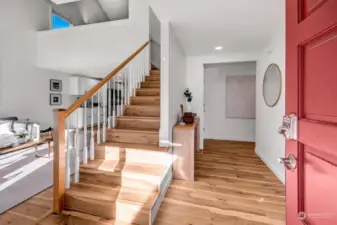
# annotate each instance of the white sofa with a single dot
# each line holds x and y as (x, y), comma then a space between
(9, 128)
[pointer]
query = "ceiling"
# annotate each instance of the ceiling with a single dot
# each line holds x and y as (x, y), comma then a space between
(236, 25)
(81, 12)
(115, 9)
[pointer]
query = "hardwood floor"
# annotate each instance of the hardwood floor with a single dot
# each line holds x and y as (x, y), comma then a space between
(233, 187)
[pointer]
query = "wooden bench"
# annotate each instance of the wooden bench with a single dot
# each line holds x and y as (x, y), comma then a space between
(29, 144)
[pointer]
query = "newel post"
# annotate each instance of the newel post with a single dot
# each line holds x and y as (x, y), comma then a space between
(59, 159)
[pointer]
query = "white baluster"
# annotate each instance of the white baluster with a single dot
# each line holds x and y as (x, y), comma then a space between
(85, 150)
(133, 77)
(138, 72)
(122, 94)
(98, 119)
(77, 150)
(149, 59)
(133, 88)
(109, 104)
(126, 97)
(114, 103)
(118, 95)
(92, 140)
(143, 64)
(146, 61)
(104, 89)
(67, 172)
(141, 67)
(129, 83)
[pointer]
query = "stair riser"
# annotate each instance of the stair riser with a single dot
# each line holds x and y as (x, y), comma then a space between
(138, 123)
(133, 137)
(93, 207)
(121, 211)
(134, 214)
(132, 155)
(143, 111)
(108, 153)
(154, 100)
(146, 157)
(148, 92)
(150, 85)
(148, 184)
(155, 72)
(152, 78)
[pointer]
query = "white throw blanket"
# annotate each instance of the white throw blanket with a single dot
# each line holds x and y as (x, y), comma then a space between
(6, 140)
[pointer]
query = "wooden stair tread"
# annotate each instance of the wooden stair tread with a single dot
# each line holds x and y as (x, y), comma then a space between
(113, 194)
(143, 106)
(103, 165)
(152, 81)
(87, 219)
(146, 97)
(113, 166)
(148, 147)
(152, 118)
(155, 72)
(148, 89)
(96, 192)
(135, 130)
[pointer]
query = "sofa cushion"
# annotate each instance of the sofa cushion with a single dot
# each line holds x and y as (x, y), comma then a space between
(7, 140)
(6, 127)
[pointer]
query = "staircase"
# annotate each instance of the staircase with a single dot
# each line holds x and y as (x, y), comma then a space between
(130, 173)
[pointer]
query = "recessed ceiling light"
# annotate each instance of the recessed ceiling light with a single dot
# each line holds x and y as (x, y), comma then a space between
(218, 48)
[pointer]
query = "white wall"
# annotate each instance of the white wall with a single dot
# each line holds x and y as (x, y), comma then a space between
(94, 50)
(155, 36)
(165, 133)
(269, 144)
(216, 125)
(195, 78)
(25, 88)
(173, 82)
(177, 79)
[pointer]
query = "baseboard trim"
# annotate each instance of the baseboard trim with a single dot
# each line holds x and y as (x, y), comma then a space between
(163, 190)
(277, 173)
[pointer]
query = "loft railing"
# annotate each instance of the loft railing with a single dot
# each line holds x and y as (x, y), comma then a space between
(75, 128)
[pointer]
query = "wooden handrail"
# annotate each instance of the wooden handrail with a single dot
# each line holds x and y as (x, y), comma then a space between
(93, 90)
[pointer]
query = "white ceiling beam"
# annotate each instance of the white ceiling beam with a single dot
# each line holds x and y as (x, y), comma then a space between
(58, 2)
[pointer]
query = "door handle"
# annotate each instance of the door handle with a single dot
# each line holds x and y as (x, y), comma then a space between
(290, 163)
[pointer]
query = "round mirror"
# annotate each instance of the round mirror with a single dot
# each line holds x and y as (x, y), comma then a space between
(272, 85)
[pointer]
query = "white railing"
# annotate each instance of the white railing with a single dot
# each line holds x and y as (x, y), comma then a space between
(88, 120)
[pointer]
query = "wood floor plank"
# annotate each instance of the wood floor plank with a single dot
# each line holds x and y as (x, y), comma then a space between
(234, 167)
(232, 187)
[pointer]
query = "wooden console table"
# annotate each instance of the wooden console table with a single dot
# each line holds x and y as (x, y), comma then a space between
(186, 139)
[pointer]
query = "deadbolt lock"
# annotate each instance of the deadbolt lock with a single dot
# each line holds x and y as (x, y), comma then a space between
(289, 127)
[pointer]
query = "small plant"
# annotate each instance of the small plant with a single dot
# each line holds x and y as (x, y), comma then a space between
(188, 95)
(21, 135)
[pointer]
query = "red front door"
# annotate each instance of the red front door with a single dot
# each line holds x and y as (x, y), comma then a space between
(311, 93)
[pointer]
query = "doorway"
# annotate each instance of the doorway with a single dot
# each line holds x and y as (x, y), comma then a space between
(229, 101)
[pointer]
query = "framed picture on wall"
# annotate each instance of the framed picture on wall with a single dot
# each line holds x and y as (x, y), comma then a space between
(55, 99)
(240, 96)
(55, 85)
